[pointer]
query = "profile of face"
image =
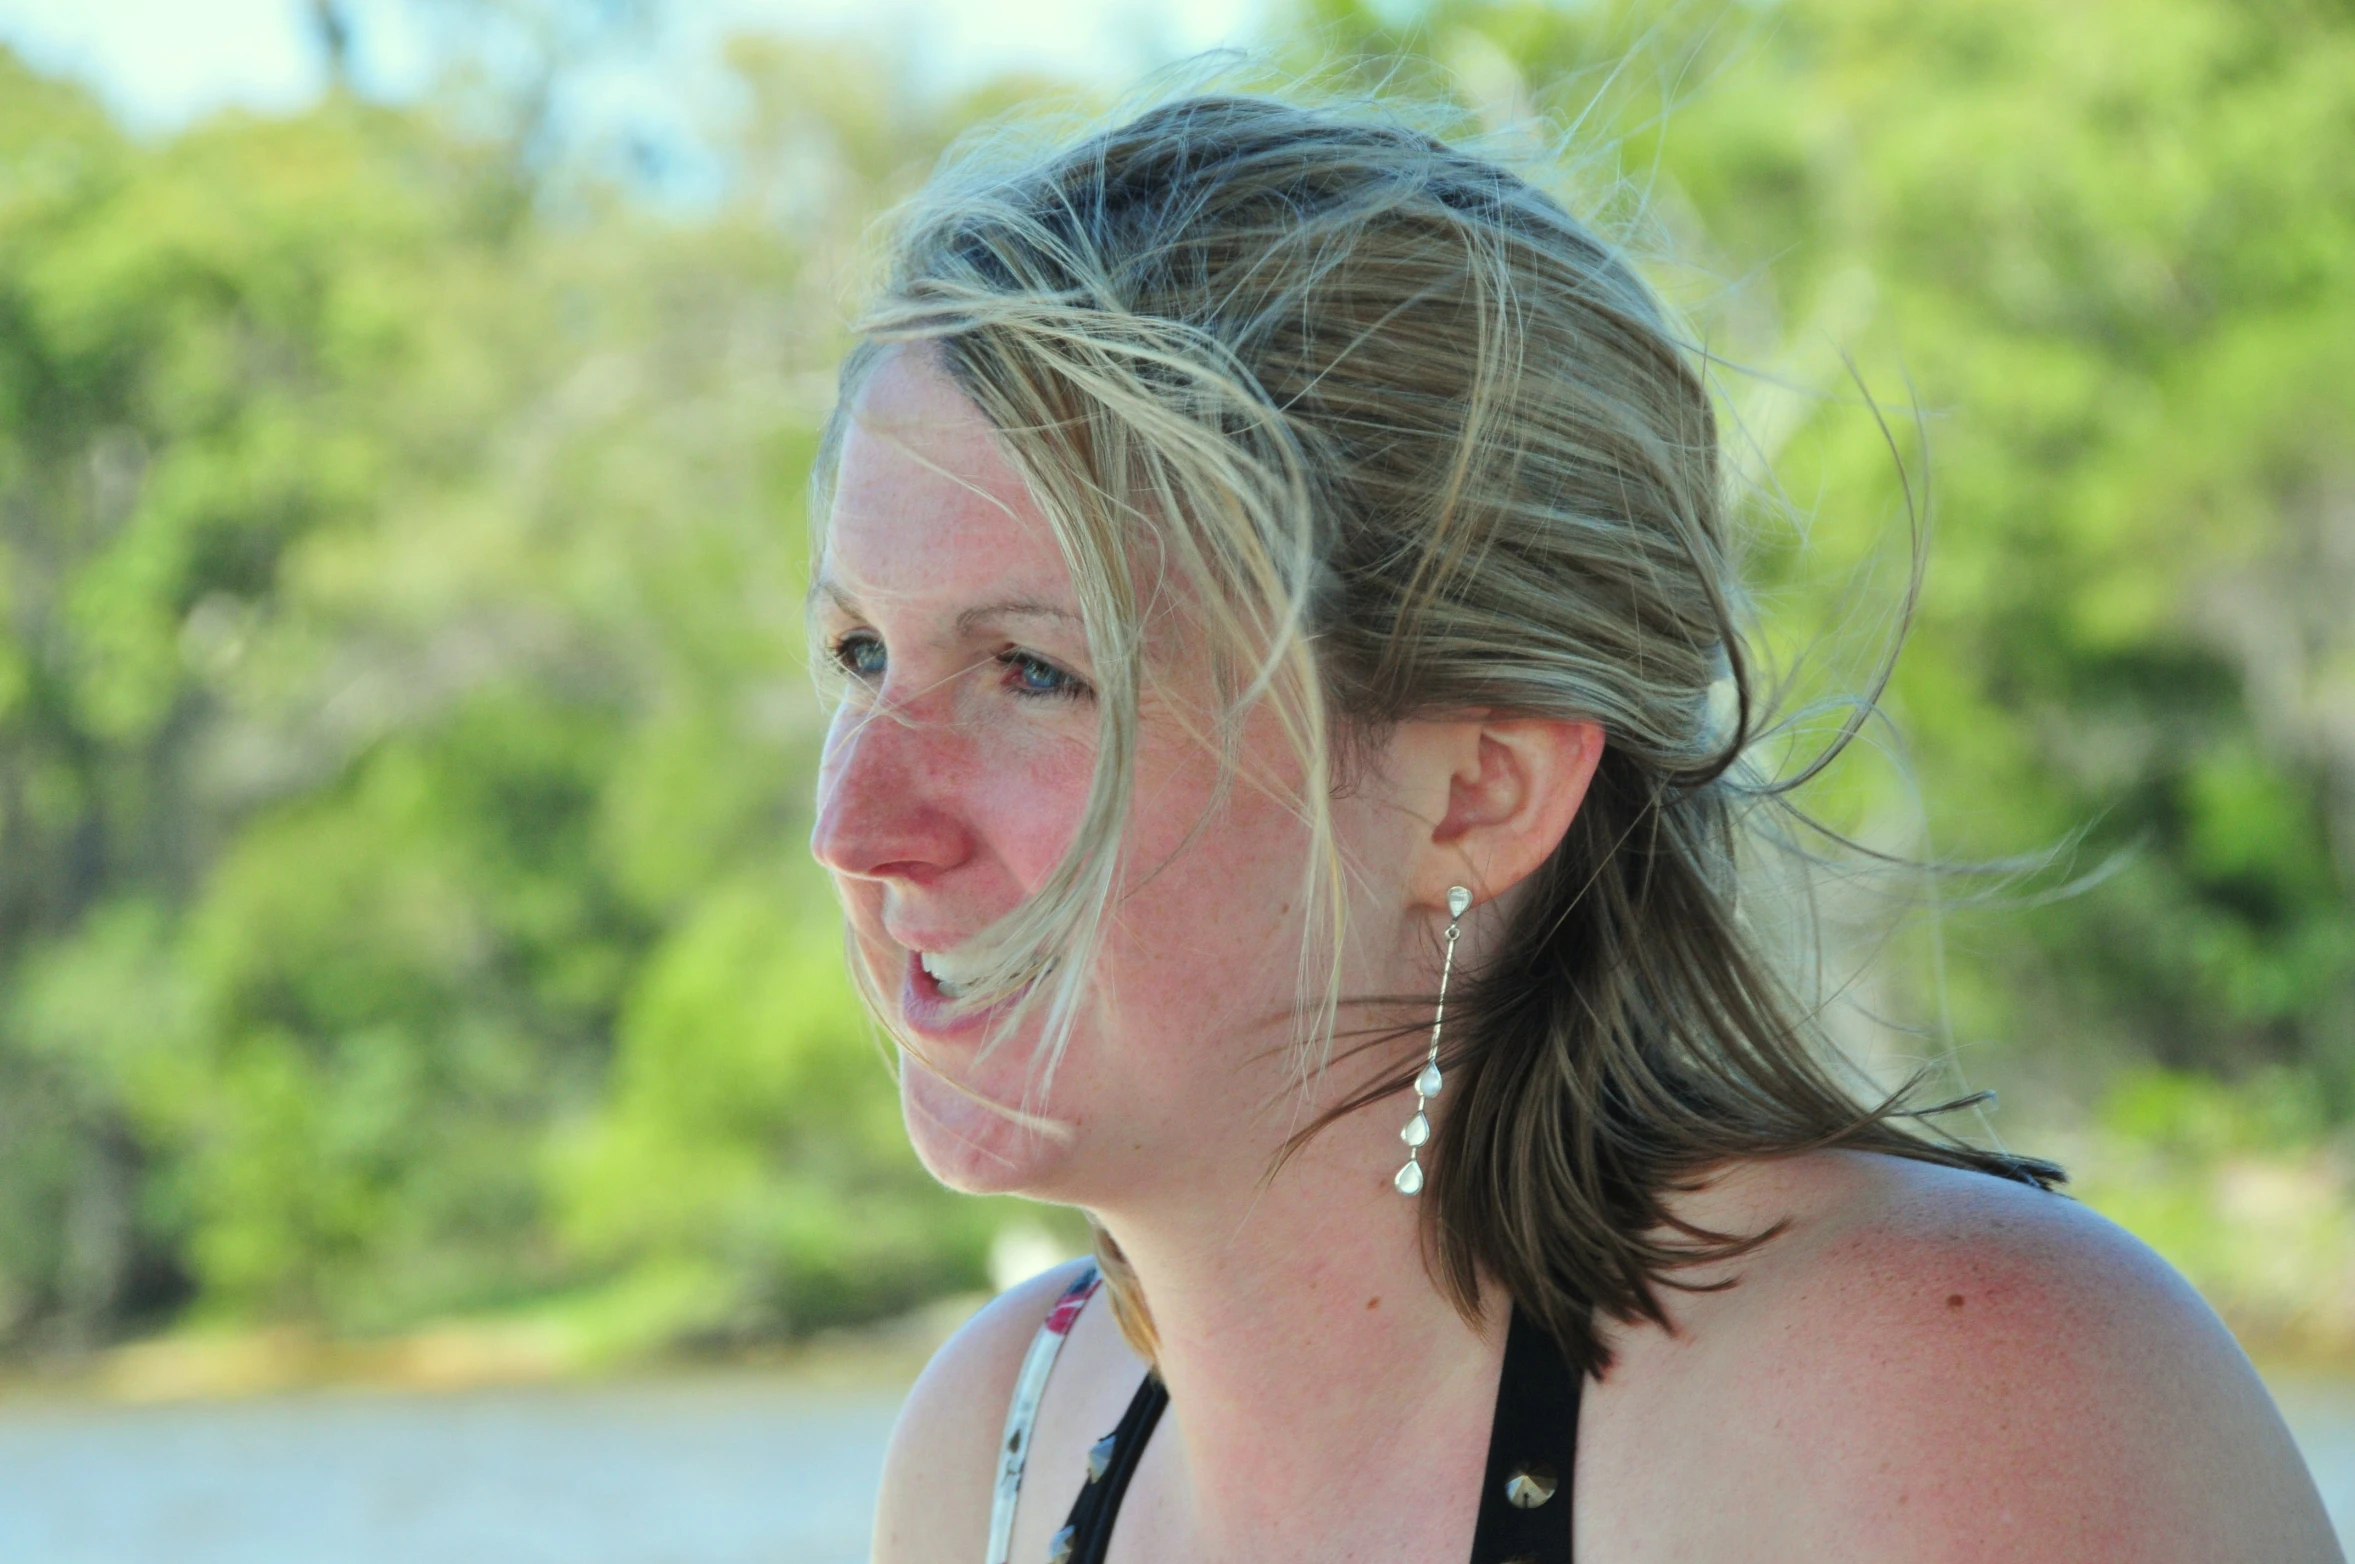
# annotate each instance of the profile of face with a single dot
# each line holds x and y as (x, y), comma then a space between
(956, 773)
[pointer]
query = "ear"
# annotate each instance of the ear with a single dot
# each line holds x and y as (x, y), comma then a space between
(1502, 792)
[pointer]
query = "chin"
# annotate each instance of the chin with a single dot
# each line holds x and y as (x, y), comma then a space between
(967, 1145)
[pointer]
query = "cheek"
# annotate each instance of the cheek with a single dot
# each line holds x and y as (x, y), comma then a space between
(1205, 951)
(1028, 792)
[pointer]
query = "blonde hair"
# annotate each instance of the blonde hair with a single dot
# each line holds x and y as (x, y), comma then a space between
(1409, 439)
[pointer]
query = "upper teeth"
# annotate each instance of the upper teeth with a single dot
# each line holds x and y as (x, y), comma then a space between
(944, 972)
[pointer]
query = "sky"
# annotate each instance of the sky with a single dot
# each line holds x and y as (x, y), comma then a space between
(161, 64)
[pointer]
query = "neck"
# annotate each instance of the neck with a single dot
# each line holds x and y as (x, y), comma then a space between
(1305, 1347)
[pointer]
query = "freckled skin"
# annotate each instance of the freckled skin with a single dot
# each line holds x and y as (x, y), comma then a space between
(1925, 1366)
(940, 816)
(1935, 1365)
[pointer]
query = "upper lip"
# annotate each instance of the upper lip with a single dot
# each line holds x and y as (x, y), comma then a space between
(923, 944)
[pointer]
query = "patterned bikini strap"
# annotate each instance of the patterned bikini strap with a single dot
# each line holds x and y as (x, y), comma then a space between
(1014, 1449)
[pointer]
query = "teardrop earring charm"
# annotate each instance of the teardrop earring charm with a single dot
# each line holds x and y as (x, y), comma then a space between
(1418, 1129)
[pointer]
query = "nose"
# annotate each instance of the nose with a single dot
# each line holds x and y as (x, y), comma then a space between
(886, 797)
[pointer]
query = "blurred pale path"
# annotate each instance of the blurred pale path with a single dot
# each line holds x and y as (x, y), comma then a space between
(703, 1473)
(699, 1473)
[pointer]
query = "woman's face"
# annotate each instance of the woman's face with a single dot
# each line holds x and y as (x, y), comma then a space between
(955, 775)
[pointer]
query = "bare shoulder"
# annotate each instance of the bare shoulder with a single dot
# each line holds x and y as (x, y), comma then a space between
(1936, 1364)
(941, 1467)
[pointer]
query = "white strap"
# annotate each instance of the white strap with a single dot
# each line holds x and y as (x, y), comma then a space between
(1014, 1449)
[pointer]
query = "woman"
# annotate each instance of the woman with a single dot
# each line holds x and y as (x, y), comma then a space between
(1278, 577)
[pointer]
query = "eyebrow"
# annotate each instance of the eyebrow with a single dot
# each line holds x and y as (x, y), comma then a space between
(969, 620)
(1012, 608)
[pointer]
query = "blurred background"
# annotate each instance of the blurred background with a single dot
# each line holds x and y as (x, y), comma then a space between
(433, 1120)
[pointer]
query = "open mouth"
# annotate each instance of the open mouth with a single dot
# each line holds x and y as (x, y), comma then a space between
(936, 982)
(930, 990)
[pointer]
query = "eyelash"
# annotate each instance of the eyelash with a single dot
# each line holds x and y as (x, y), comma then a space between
(846, 649)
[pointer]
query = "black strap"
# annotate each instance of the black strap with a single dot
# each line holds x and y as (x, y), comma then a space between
(1524, 1495)
(1087, 1533)
(1532, 1449)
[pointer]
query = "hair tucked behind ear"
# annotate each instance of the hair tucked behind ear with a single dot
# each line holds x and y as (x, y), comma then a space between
(1416, 441)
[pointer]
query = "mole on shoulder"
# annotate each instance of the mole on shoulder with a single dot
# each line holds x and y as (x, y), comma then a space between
(1954, 1300)
(1374, 1302)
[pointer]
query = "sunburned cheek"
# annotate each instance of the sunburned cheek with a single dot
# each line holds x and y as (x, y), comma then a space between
(1207, 943)
(1033, 799)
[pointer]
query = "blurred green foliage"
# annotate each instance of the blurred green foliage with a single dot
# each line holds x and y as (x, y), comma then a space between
(2242, 1187)
(404, 744)
(405, 750)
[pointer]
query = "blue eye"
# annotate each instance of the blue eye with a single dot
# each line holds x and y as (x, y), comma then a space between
(861, 655)
(1035, 676)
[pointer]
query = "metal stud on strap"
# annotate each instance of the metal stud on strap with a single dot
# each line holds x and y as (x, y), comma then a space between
(1530, 1485)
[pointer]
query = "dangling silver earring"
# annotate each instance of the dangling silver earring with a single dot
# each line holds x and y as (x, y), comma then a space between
(1418, 1129)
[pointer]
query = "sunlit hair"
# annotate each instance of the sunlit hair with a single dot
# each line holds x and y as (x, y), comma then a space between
(1405, 438)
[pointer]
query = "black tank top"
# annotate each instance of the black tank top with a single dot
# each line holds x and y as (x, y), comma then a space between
(1524, 1495)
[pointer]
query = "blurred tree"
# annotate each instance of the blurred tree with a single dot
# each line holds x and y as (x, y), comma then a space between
(403, 643)
(259, 339)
